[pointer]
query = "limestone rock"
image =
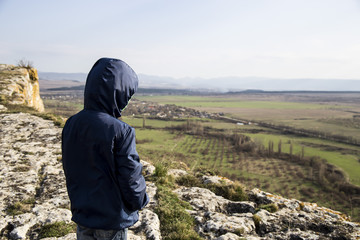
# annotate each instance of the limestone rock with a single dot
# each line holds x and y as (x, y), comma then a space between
(70, 236)
(216, 180)
(148, 224)
(151, 191)
(132, 236)
(148, 169)
(20, 86)
(301, 220)
(177, 172)
(222, 223)
(3, 108)
(215, 215)
(32, 181)
(204, 200)
(229, 236)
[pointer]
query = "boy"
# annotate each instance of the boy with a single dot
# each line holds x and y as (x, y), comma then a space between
(101, 165)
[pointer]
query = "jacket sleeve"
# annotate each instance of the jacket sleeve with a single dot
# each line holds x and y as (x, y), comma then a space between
(131, 182)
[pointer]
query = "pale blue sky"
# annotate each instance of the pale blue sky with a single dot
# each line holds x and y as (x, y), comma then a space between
(197, 38)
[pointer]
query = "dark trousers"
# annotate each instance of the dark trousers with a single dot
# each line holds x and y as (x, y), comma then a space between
(84, 233)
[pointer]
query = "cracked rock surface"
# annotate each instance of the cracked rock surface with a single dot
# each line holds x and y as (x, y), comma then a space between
(32, 182)
(33, 191)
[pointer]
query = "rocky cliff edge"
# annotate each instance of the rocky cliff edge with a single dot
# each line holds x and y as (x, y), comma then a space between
(20, 86)
(33, 197)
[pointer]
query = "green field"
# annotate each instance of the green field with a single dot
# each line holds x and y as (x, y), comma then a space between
(349, 163)
(155, 143)
(346, 157)
(324, 116)
(223, 102)
(333, 116)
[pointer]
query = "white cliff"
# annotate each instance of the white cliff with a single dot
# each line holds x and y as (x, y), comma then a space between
(20, 86)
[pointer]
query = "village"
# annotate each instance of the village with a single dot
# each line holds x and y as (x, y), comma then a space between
(165, 111)
(137, 107)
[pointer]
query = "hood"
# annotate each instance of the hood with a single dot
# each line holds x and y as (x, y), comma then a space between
(109, 86)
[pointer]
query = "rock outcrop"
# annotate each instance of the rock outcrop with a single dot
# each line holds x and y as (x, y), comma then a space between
(33, 192)
(20, 86)
(33, 195)
(32, 184)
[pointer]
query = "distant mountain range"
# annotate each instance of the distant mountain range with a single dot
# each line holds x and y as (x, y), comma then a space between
(225, 84)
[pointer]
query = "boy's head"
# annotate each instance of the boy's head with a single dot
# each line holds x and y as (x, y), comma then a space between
(109, 86)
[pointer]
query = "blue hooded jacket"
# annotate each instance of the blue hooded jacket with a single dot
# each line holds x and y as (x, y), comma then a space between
(101, 165)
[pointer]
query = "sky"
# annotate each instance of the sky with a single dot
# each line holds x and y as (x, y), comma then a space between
(187, 38)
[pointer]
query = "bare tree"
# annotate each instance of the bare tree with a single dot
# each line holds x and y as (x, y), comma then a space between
(279, 147)
(302, 152)
(144, 121)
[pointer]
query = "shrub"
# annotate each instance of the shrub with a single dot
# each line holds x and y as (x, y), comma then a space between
(234, 192)
(200, 171)
(20, 207)
(248, 147)
(160, 170)
(301, 206)
(57, 229)
(272, 207)
(307, 191)
(22, 169)
(25, 63)
(300, 175)
(257, 221)
(3, 101)
(239, 231)
(189, 181)
(160, 176)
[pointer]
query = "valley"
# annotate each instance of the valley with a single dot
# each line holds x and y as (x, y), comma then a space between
(298, 145)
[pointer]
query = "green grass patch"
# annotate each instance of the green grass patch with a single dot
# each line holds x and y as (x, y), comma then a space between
(20, 207)
(257, 221)
(272, 207)
(160, 170)
(234, 192)
(189, 181)
(176, 222)
(58, 120)
(57, 229)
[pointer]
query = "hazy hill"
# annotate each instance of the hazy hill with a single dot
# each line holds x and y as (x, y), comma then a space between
(227, 83)
(62, 76)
